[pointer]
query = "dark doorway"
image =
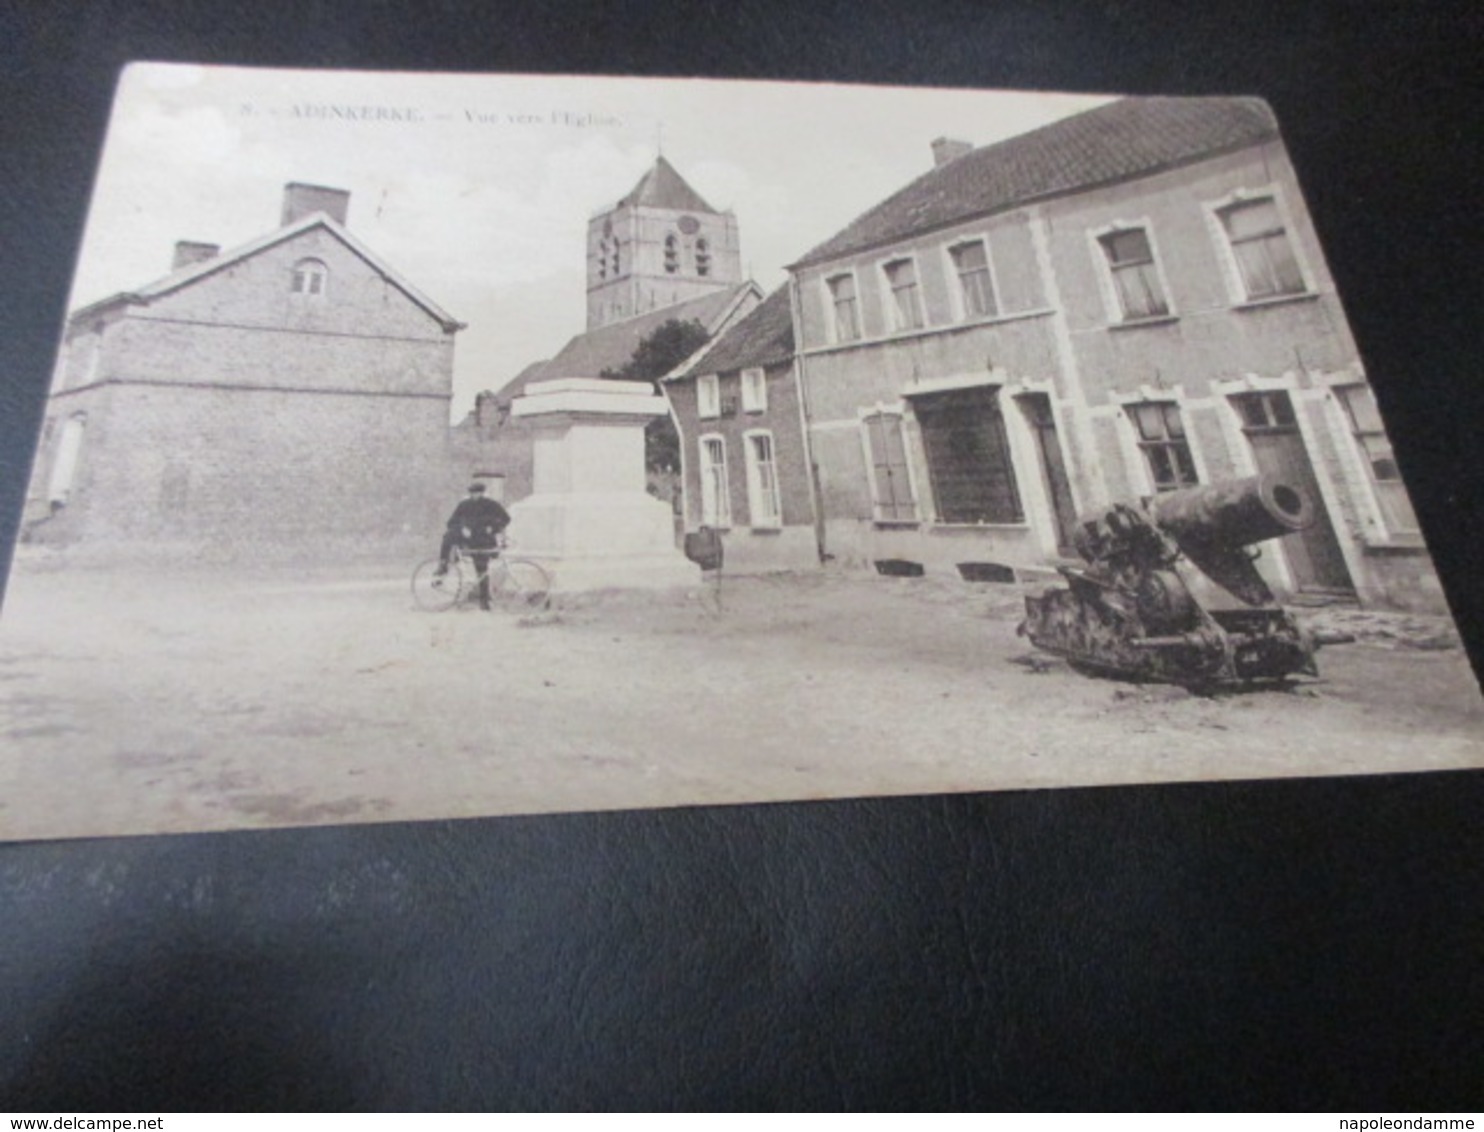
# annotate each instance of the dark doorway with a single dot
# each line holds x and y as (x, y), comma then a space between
(1038, 414)
(1278, 448)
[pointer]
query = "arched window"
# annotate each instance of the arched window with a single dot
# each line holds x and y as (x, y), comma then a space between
(672, 254)
(311, 277)
(703, 257)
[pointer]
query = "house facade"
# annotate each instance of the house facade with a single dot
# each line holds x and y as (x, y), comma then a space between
(287, 398)
(1124, 302)
(741, 424)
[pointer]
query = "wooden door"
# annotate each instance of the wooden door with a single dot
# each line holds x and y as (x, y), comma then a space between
(1314, 554)
(1037, 407)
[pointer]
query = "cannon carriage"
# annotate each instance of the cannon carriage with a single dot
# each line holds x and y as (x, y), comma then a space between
(1171, 592)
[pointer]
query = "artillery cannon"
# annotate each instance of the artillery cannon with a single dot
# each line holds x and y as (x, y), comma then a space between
(1171, 593)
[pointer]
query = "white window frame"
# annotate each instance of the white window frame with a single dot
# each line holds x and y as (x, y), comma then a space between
(716, 503)
(1363, 458)
(899, 411)
(1226, 254)
(1108, 285)
(890, 308)
(66, 459)
(961, 312)
(1129, 437)
(1166, 442)
(311, 278)
(754, 391)
(708, 397)
(832, 316)
(757, 493)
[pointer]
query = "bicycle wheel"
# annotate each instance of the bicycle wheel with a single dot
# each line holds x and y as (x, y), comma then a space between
(434, 592)
(519, 585)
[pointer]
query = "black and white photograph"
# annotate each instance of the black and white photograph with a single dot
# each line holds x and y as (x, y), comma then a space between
(442, 446)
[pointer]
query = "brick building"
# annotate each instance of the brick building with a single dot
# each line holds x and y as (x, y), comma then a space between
(745, 468)
(1123, 302)
(281, 399)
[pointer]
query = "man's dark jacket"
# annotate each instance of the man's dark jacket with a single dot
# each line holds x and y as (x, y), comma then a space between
(482, 517)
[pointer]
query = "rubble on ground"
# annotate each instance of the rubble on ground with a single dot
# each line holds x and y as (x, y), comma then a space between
(1387, 629)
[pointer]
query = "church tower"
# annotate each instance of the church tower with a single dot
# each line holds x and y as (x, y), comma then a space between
(660, 245)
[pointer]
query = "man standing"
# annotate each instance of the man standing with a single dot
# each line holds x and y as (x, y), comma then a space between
(476, 524)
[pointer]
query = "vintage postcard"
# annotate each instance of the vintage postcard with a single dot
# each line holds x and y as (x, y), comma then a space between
(431, 446)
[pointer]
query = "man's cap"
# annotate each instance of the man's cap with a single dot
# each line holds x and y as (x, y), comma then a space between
(476, 489)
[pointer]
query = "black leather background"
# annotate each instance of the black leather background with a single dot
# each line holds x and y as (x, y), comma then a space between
(1292, 944)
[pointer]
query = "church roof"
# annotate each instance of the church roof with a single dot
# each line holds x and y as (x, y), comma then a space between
(1132, 137)
(185, 276)
(517, 384)
(663, 187)
(764, 337)
(611, 347)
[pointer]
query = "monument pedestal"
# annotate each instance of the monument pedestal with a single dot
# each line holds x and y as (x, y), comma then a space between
(589, 519)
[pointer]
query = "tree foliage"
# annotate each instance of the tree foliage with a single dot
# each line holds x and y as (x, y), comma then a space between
(657, 353)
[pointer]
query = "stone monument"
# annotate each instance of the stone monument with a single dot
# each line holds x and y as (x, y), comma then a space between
(589, 519)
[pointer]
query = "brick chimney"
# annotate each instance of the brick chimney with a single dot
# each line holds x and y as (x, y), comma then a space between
(949, 149)
(188, 252)
(301, 200)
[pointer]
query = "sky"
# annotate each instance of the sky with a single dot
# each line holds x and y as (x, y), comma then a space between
(478, 188)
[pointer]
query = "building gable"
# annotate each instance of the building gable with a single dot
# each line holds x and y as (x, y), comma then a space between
(256, 280)
(312, 281)
(765, 337)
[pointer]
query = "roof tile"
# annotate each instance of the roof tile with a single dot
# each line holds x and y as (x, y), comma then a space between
(611, 347)
(663, 187)
(1123, 139)
(765, 337)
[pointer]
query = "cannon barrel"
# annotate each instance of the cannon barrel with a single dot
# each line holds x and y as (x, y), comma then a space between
(1171, 591)
(1232, 513)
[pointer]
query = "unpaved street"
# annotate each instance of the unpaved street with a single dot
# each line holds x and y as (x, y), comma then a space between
(136, 702)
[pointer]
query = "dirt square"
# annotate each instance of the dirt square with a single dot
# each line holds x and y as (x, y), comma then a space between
(156, 701)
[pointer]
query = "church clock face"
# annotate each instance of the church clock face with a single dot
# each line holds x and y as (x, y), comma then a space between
(689, 225)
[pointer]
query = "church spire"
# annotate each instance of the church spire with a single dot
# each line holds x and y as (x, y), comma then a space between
(663, 187)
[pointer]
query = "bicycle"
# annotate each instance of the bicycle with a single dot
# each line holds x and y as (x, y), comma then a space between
(515, 584)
